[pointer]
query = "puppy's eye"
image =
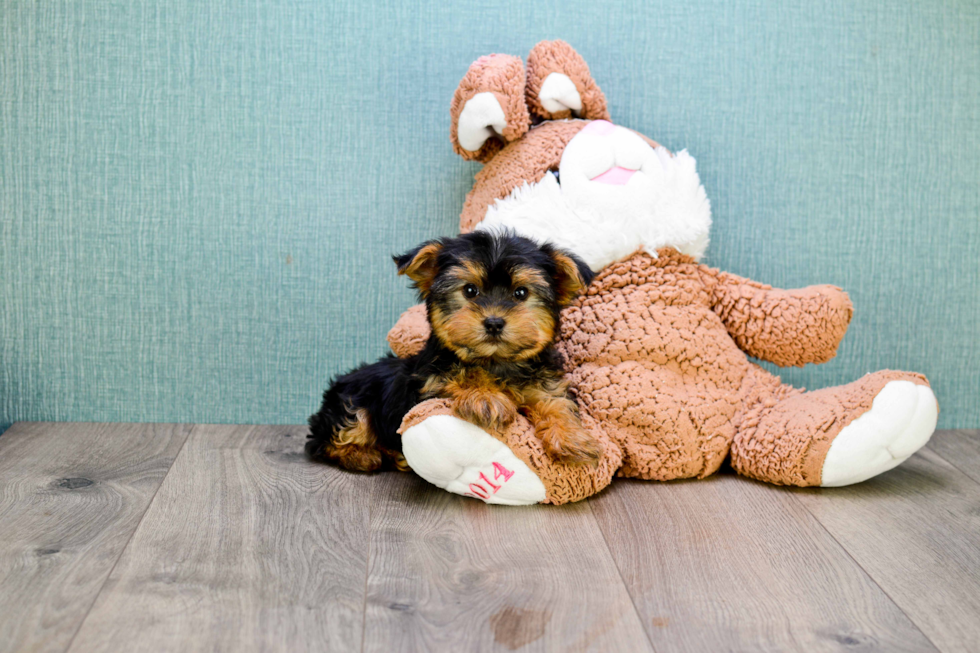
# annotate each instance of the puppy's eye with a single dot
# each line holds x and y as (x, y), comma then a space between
(470, 291)
(520, 294)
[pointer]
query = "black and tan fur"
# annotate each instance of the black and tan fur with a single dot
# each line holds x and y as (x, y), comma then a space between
(493, 303)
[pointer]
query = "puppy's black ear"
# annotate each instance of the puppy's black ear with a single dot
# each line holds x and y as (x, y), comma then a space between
(419, 264)
(572, 275)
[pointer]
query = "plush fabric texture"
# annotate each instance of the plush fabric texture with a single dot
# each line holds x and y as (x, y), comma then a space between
(658, 201)
(409, 334)
(503, 76)
(525, 161)
(785, 327)
(650, 358)
(902, 418)
(653, 357)
(559, 57)
(784, 439)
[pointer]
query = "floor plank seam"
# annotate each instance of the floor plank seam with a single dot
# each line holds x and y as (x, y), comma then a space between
(866, 572)
(367, 567)
(619, 572)
(954, 465)
(129, 540)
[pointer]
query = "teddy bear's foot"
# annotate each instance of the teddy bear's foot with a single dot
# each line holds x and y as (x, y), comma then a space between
(901, 420)
(839, 435)
(509, 467)
(464, 459)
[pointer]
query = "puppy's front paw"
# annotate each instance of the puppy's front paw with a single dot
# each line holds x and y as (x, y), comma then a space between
(570, 444)
(486, 410)
(398, 460)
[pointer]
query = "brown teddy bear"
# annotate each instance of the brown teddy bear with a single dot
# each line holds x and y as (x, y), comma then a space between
(657, 348)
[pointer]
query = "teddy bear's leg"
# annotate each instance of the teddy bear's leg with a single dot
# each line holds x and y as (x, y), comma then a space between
(837, 436)
(511, 468)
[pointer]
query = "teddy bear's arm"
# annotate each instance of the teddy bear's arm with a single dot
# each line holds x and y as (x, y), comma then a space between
(785, 327)
(410, 332)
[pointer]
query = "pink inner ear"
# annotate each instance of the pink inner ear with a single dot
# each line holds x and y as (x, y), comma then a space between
(617, 176)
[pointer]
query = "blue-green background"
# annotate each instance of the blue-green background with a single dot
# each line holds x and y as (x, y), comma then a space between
(198, 199)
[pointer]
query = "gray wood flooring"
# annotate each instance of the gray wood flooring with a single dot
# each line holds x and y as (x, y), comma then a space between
(136, 537)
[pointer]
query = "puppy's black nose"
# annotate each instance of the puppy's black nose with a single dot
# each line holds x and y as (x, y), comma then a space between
(494, 325)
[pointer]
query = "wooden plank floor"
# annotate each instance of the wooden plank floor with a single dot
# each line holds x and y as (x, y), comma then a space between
(126, 537)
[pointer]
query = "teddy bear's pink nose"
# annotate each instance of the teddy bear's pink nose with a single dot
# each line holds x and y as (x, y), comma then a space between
(617, 176)
(599, 128)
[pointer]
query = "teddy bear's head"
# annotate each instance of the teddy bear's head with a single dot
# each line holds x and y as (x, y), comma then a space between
(556, 169)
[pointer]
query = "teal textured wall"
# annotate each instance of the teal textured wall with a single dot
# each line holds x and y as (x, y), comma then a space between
(198, 199)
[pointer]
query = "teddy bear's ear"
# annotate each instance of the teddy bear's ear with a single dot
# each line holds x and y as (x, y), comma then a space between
(488, 107)
(420, 265)
(572, 274)
(559, 84)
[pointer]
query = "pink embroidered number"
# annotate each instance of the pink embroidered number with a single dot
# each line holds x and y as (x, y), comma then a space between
(499, 470)
(478, 491)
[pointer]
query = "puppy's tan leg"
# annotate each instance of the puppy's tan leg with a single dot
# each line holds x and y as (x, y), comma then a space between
(485, 407)
(556, 423)
(396, 459)
(479, 399)
(353, 446)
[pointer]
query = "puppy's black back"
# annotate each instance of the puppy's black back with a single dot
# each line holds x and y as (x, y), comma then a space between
(386, 389)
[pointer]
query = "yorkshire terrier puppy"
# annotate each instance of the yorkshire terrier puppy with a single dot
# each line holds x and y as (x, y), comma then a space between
(493, 304)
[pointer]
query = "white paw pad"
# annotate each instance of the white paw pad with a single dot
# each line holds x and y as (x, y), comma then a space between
(462, 458)
(901, 420)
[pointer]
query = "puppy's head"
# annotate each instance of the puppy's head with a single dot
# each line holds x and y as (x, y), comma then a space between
(494, 295)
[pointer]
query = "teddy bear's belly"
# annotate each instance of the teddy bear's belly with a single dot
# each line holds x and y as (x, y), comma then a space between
(663, 377)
